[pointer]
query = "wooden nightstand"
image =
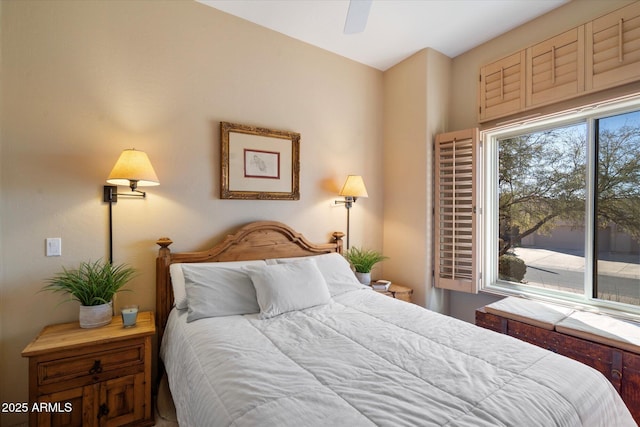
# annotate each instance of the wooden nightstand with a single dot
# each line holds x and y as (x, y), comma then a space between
(92, 377)
(399, 292)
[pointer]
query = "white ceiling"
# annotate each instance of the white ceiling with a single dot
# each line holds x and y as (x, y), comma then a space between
(396, 29)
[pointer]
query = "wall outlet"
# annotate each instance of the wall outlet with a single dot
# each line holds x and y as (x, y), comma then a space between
(53, 246)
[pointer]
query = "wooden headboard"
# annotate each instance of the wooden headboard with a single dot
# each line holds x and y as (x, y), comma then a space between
(256, 240)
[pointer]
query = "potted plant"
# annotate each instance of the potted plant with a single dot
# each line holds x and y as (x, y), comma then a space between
(363, 261)
(94, 285)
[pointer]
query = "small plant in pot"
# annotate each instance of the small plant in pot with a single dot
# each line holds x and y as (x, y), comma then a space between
(363, 261)
(94, 285)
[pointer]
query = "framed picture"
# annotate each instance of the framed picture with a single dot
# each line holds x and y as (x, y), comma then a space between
(259, 163)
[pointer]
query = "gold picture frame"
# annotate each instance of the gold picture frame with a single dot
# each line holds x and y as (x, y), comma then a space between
(259, 163)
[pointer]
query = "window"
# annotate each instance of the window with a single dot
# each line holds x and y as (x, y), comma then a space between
(562, 199)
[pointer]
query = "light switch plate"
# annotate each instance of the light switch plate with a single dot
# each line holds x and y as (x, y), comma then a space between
(53, 246)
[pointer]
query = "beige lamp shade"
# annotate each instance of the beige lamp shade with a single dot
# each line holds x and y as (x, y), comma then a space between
(354, 187)
(133, 165)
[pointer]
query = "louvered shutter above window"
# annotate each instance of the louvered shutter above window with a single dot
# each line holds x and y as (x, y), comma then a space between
(455, 211)
(555, 68)
(601, 54)
(613, 48)
(502, 88)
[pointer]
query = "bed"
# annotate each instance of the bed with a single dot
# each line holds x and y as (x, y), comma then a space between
(267, 328)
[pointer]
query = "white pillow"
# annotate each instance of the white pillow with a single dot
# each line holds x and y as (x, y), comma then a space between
(288, 287)
(335, 269)
(218, 291)
(177, 277)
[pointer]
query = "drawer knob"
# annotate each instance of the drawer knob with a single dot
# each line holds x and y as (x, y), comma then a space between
(616, 374)
(96, 368)
(103, 410)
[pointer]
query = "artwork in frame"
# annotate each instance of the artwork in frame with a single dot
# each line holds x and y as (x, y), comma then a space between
(259, 163)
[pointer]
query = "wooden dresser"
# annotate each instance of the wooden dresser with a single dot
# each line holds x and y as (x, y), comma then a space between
(92, 377)
(621, 367)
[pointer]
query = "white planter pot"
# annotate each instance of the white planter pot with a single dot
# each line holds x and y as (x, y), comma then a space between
(364, 278)
(95, 316)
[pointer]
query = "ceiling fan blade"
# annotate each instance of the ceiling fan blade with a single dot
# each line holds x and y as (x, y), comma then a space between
(357, 16)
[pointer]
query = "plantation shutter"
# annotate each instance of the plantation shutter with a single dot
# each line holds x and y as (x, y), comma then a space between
(455, 211)
(554, 68)
(613, 48)
(502, 88)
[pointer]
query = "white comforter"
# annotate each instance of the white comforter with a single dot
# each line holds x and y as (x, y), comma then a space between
(367, 359)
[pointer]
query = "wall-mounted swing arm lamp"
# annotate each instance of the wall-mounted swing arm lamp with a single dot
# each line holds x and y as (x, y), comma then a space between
(352, 189)
(133, 169)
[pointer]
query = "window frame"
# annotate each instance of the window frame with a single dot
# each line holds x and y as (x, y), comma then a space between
(488, 163)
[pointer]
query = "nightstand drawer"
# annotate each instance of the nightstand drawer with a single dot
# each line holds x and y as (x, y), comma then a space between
(91, 367)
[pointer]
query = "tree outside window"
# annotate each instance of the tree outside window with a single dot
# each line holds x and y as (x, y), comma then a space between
(543, 208)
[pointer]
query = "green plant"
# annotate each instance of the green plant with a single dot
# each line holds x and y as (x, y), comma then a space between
(92, 283)
(511, 268)
(363, 260)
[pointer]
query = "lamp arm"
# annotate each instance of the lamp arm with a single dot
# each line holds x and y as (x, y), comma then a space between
(347, 202)
(138, 193)
(111, 193)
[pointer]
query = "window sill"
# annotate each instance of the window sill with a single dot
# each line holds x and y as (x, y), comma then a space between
(574, 304)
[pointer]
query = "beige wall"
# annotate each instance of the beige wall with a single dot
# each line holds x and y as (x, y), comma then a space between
(465, 71)
(83, 80)
(416, 93)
